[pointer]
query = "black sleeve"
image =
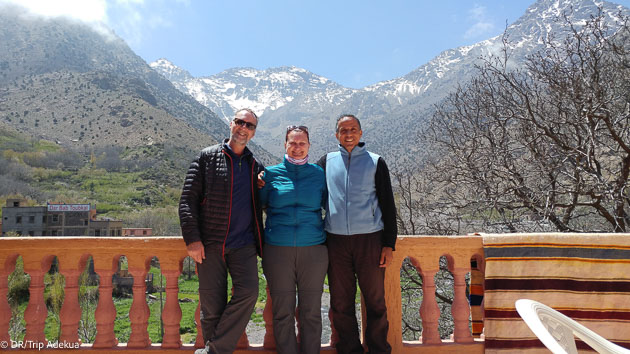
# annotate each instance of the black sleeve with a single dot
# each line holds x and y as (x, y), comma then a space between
(191, 199)
(385, 197)
(322, 162)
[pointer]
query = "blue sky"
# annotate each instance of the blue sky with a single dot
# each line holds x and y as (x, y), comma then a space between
(354, 43)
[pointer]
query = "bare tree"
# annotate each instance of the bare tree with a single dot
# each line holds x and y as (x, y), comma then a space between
(543, 146)
(548, 141)
(164, 221)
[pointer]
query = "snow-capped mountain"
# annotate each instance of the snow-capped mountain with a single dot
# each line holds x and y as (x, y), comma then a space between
(541, 20)
(393, 112)
(260, 90)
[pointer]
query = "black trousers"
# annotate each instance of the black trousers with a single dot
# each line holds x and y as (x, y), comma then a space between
(223, 323)
(353, 257)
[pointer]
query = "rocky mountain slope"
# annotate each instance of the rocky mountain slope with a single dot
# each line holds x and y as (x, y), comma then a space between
(83, 88)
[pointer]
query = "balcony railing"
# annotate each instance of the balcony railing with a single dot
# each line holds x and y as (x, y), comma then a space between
(73, 253)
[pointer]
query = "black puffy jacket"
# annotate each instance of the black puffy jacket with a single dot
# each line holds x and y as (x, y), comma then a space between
(205, 204)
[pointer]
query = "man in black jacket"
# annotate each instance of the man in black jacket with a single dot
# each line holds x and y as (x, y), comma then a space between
(221, 221)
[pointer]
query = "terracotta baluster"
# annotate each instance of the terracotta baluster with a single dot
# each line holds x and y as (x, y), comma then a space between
(199, 342)
(460, 308)
(243, 342)
(70, 314)
(334, 336)
(429, 311)
(105, 315)
(269, 342)
(393, 299)
(9, 267)
(139, 312)
(172, 313)
(36, 311)
(363, 323)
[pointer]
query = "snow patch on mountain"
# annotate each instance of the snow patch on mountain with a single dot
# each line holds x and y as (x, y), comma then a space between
(260, 90)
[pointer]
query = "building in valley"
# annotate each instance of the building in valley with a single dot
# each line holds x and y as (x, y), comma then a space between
(55, 220)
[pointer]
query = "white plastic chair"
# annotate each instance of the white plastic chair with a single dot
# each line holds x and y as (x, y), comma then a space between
(556, 331)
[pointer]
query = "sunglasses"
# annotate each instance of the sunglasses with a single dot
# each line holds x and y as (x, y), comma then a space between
(291, 128)
(242, 123)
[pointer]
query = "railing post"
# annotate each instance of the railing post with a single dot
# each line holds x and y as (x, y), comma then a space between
(5, 308)
(36, 311)
(334, 335)
(460, 308)
(139, 312)
(70, 313)
(243, 342)
(429, 310)
(393, 299)
(172, 314)
(105, 265)
(199, 342)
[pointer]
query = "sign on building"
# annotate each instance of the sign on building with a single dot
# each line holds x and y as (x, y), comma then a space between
(68, 207)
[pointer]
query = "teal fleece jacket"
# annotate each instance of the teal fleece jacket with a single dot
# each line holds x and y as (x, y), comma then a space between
(294, 195)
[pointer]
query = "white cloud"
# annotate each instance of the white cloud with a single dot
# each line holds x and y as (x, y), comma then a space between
(130, 19)
(84, 10)
(134, 18)
(479, 29)
(481, 23)
(127, 2)
(477, 12)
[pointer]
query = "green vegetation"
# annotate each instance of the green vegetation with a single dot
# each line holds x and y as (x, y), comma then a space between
(189, 292)
(16, 141)
(139, 185)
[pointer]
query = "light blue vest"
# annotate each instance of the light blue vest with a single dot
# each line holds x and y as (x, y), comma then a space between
(352, 206)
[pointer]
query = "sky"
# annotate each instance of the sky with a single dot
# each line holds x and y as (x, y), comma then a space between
(355, 43)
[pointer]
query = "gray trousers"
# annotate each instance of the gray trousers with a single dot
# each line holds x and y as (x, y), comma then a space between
(223, 323)
(285, 269)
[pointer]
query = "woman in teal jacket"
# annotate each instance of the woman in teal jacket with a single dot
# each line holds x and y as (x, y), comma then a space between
(295, 250)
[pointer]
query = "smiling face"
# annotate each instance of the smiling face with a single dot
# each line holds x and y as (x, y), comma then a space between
(297, 144)
(240, 134)
(348, 133)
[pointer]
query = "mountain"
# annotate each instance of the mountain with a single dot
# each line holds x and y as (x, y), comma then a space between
(84, 88)
(261, 90)
(393, 113)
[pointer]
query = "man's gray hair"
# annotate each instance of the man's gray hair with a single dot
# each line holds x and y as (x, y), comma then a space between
(247, 110)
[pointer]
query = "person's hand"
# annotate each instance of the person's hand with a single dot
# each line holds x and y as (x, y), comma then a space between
(196, 251)
(261, 181)
(387, 256)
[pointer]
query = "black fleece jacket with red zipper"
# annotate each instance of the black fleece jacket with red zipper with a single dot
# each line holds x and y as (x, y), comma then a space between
(206, 201)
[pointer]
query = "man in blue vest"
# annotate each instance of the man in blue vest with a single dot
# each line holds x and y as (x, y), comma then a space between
(361, 227)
